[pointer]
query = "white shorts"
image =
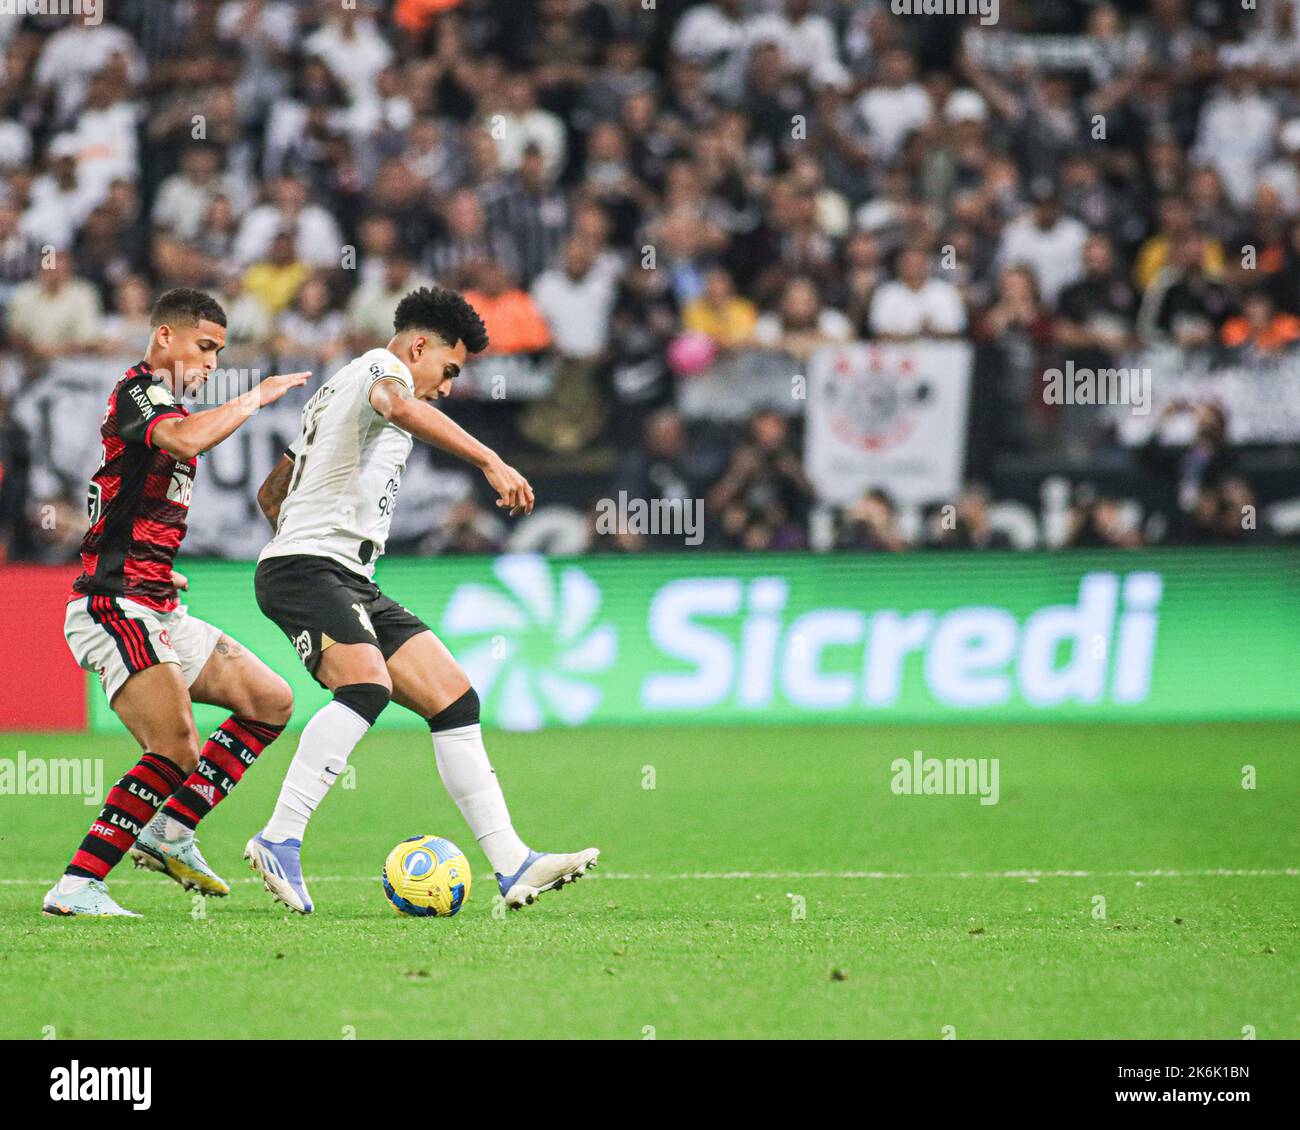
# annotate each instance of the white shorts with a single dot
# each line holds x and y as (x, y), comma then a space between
(115, 637)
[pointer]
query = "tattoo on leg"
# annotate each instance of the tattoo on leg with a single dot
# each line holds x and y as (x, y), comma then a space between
(229, 647)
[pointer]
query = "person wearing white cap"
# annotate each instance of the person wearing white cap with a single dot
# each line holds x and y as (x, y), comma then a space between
(716, 33)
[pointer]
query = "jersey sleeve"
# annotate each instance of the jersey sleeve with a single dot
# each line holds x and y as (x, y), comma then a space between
(384, 366)
(141, 404)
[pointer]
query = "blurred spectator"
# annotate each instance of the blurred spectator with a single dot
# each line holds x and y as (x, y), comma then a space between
(576, 299)
(1260, 330)
(75, 53)
(249, 323)
(184, 198)
(667, 467)
(862, 272)
(763, 499)
(351, 45)
(514, 324)
(1175, 226)
(311, 335)
(60, 198)
(807, 39)
(468, 239)
(623, 75)
(916, 304)
(643, 320)
(109, 248)
(275, 281)
(126, 330)
(15, 531)
(1046, 240)
(1100, 523)
(801, 324)
(1238, 518)
(531, 212)
(520, 122)
(720, 312)
(19, 252)
(1193, 471)
(1019, 333)
(202, 260)
(1285, 283)
(370, 309)
(895, 104)
(1283, 174)
(316, 240)
(967, 524)
(1189, 305)
(1097, 313)
(468, 528)
(871, 523)
(54, 314)
(1237, 129)
(715, 33)
(104, 137)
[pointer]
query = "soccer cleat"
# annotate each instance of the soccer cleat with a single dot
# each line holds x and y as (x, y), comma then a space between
(545, 871)
(280, 866)
(91, 900)
(180, 860)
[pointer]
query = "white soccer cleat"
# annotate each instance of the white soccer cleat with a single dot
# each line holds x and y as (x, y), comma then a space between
(180, 860)
(89, 900)
(280, 867)
(545, 871)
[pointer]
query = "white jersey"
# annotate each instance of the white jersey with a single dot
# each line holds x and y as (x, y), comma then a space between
(348, 464)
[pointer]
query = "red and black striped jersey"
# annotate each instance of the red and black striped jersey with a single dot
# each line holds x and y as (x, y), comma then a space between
(138, 499)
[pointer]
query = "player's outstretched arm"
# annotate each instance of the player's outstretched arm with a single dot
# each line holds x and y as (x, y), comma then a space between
(394, 403)
(188, 437)
(271, 494)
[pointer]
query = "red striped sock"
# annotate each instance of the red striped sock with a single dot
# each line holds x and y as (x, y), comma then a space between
(129, 806)
(231, 749)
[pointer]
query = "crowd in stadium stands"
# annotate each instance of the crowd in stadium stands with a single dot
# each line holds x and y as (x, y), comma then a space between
(1082, 180)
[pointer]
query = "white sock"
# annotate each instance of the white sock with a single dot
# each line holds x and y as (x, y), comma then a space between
(323, 750)
(70, 884)
(468, 777)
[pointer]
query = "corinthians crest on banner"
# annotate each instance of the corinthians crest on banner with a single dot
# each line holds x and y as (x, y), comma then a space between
(889, 415)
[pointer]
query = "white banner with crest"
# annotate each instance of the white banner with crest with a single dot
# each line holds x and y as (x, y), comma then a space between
(890, 415)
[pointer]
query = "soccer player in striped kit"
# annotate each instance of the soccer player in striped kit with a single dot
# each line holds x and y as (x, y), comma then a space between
(125, 621)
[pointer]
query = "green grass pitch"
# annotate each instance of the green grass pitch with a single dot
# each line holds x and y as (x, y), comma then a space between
(769, 884)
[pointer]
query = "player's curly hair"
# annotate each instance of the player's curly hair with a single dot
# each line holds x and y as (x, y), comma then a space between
(444, 312)
(183, 306)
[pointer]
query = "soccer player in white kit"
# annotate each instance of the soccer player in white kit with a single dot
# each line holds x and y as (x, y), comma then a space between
(330, 499)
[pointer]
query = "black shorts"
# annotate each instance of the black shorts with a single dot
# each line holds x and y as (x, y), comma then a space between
(316, 602)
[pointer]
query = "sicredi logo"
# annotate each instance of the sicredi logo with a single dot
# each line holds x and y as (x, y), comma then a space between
(1100, 648)
(548, 641)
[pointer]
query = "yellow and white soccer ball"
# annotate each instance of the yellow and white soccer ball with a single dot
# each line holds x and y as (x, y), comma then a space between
(426, 875)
